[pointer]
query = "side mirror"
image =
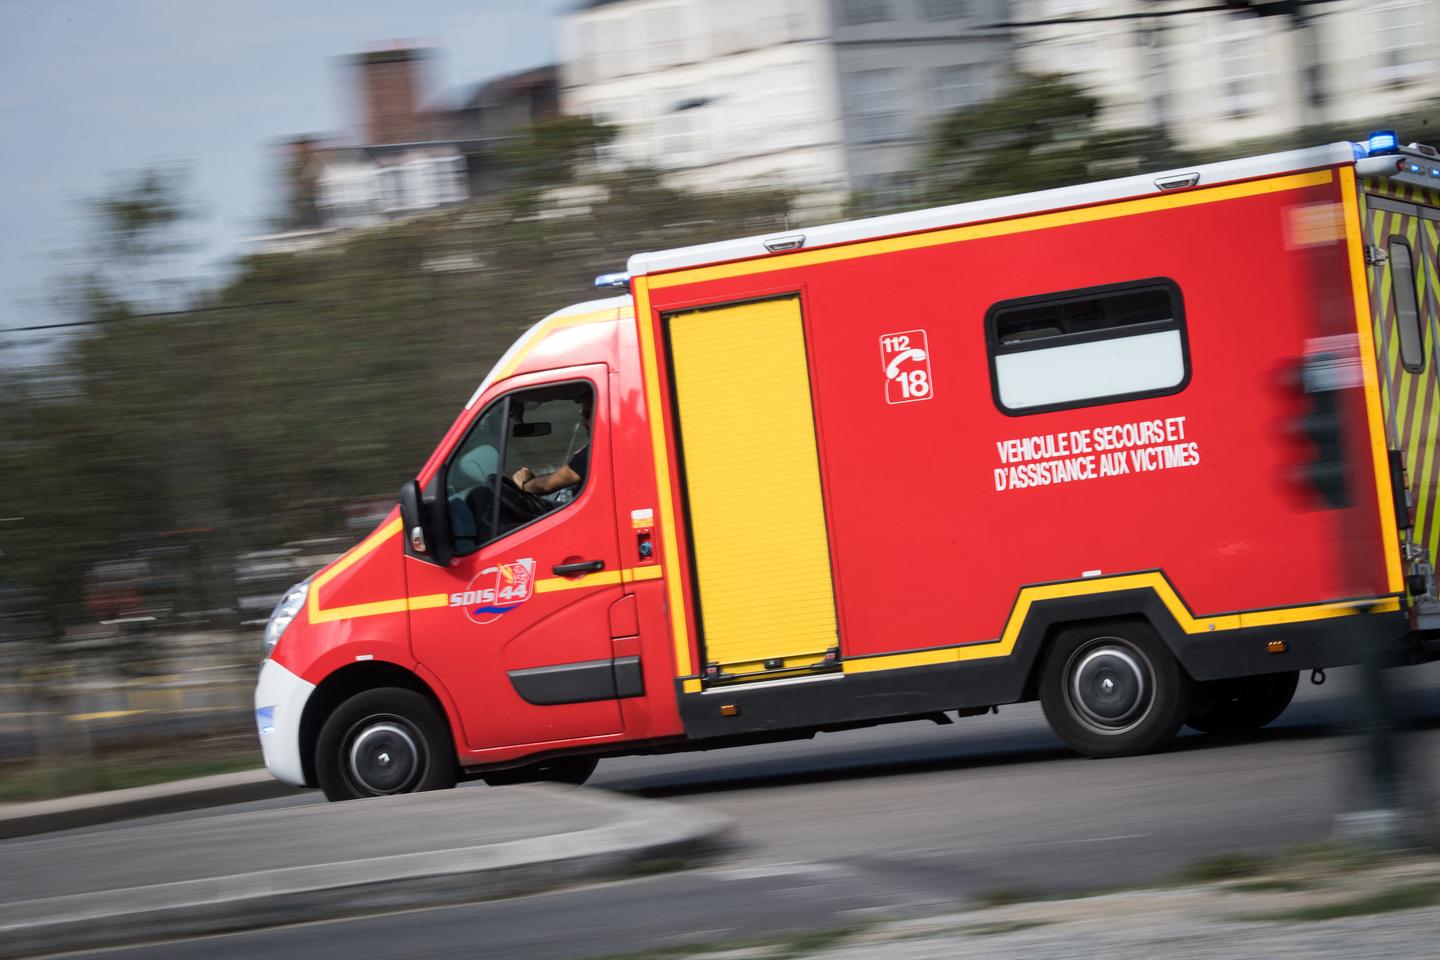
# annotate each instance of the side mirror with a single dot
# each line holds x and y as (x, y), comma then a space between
(539, 429)
(418, 535)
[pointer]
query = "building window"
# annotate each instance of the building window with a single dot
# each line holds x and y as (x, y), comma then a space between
(1078, 57)
(349, 194)
(1407, 305)
(799, 23)
(875, 105)
(1241, 66)
(583, 52)
(452, 183)
(958, 87)
(678, 129)
(1084, 347)
(1400, 33)
(611, 57)
(665, 37)
(944, 9)
(392, 189)
(853, 13)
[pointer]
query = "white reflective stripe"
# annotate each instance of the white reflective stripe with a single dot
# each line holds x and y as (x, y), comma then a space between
(280, 699)
(1085, 371)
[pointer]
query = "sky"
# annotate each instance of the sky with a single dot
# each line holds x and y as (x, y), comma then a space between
(93, 90)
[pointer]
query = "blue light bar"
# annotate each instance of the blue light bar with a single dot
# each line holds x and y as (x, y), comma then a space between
(617, 281)
(1383, 141)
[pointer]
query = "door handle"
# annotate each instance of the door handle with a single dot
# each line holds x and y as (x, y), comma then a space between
(583, 566)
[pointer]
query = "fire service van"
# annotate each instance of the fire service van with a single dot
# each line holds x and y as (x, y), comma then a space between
(1143, 450)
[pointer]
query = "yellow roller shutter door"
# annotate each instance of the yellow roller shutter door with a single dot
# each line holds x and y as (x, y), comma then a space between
(752, 481)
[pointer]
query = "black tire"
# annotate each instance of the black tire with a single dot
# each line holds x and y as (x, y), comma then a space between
(1113, 689)
(1229, 708)
(571, 770)
(382, 742)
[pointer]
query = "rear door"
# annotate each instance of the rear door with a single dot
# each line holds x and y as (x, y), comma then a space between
(765, 599)
(1402, 241)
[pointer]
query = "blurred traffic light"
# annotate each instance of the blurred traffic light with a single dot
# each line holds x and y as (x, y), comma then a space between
(1320, 378)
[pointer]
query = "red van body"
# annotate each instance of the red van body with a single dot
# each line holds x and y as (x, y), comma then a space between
(1142, 450)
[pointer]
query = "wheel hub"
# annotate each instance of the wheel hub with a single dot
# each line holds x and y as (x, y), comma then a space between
(384, 758)
(1110, 687)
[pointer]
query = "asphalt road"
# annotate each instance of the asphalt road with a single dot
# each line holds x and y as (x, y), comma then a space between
(900, 820)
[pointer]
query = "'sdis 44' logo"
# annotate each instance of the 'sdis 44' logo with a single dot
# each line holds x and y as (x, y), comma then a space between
(497, 590)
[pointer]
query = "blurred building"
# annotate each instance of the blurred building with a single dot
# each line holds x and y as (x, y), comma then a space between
(407, 154)
(1218, 77)
(813, 94)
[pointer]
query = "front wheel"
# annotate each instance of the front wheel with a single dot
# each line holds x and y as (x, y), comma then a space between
(383, 742)
(1113, 689)
(1230, 708)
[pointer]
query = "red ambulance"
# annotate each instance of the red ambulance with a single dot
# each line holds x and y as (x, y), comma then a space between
(1143, 450)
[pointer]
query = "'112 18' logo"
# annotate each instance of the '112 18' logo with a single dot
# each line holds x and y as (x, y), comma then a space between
(906, 359)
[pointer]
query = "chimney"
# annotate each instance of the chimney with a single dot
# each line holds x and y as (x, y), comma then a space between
(391, 86)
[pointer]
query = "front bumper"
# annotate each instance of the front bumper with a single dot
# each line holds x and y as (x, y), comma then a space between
(280, 699)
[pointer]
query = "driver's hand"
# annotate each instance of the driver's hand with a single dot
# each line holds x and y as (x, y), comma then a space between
(523, 476)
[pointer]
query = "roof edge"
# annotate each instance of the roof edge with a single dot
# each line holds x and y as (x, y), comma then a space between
(995, 208)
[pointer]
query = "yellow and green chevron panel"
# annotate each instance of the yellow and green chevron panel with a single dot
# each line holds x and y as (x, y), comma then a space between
(1411, 400)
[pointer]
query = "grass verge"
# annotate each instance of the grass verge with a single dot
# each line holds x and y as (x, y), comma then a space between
(1400, 896)
(49, 781)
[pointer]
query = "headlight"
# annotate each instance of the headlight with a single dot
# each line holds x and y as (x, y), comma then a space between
(284, 612)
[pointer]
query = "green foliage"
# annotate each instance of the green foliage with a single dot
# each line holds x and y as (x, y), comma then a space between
(138, 219)
(553, 151)
(311, 380)
(1412, 895)
(1042, 133)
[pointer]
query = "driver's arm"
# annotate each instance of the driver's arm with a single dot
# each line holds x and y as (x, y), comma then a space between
(526, 480)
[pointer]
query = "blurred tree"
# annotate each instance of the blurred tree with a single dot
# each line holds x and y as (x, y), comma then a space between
(552, 153)
(299, 186)
(1039, 134)
(258, 412)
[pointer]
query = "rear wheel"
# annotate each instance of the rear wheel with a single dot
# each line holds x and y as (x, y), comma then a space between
(572, 770)
(1113, 689)
(1241, 705)
(383, 742)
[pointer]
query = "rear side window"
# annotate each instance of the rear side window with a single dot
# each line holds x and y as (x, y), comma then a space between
(1077, 348)
(1407, 305)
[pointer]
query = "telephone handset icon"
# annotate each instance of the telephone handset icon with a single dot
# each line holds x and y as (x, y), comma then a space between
(892, 369)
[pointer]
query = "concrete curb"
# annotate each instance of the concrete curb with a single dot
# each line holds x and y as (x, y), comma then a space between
(43, 816)
(645, 830)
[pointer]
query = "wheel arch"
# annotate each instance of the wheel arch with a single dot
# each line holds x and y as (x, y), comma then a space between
(1046, 618)
(345, 683)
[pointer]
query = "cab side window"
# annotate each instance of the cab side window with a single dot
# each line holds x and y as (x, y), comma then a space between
(527, 455)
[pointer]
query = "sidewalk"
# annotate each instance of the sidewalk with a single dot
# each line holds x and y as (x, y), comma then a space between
(196, 793)
(235, 871)
(1390, 911)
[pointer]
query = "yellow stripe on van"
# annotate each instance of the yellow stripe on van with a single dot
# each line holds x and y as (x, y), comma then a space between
(752, 480)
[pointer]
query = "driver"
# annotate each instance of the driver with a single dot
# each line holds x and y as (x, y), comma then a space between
(570, 474)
